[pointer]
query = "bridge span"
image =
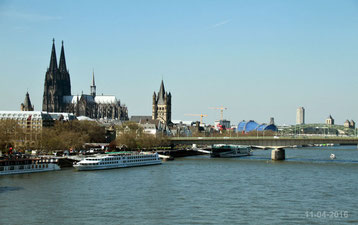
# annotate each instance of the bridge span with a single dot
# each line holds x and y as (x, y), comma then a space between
(264, 141)
(277, 144)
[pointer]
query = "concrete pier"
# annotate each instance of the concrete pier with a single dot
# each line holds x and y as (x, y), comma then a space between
(278, 154)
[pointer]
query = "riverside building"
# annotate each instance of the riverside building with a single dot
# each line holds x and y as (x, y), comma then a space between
(32, 122)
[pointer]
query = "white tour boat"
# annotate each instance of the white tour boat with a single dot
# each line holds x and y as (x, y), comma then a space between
(118, 160)
(22, 164)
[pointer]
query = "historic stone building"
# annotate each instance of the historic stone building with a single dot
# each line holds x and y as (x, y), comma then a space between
(162, 106)
(352, 124)
(57, 95)
(27, 106)
(349, 124)
(330, 120)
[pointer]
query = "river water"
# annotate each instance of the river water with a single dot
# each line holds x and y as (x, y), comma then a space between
(307, 188)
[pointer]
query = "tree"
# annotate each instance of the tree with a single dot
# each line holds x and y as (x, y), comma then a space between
(10, 133)
(132, 136)
(71, 134)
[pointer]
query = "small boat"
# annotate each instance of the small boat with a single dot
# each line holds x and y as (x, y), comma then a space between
(228, 151)
(118, 160)
(24, 164)
(332, 156)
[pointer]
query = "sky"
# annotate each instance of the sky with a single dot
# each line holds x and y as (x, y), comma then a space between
(259, 59)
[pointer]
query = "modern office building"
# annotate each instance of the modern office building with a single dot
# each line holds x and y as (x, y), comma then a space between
(300, 116)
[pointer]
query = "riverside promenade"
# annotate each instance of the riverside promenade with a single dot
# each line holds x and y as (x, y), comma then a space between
(264, 141)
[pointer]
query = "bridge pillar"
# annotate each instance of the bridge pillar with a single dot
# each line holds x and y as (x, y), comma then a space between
(278, 154)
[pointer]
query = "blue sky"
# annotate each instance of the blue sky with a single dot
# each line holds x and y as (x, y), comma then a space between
(259, 59)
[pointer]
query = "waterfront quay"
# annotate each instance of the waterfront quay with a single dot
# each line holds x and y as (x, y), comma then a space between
(264, 141)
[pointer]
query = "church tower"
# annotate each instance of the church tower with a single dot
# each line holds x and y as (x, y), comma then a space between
(65, 75)
(93, 86)
(162, 106)
(26, 106)
(57, 83)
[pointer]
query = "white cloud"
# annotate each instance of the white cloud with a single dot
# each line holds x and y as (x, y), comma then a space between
(220, 24)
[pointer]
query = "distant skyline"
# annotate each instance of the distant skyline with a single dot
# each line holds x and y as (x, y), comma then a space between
(260, 59)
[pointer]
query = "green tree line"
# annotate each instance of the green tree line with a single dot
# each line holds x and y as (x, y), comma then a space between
(61, 136)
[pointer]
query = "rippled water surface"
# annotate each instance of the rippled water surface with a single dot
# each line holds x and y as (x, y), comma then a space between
(307, 188)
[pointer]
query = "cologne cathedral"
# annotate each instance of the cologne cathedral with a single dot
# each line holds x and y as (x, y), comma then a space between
(57, 95)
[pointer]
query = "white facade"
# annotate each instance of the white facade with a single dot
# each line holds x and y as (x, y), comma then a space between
(149, 128)
(34, 120)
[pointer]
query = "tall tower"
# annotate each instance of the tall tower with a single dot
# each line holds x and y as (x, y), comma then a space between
(300, 116)
(330, 120)
(154, 107)
(162, 106)
(93, 86)
(65, 75)
(57, 83)
(26, 106)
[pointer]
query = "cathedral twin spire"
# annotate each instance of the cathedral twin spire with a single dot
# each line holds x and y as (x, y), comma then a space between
(57, 82)
(57, 94)
(53, 61)
(62, 66)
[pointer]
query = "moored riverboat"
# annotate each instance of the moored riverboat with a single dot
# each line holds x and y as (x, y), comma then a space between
(118, 160)
(228, 151)
(24, 164)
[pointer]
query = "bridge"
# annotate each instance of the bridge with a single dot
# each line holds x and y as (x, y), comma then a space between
(264, 141)
(276, 143)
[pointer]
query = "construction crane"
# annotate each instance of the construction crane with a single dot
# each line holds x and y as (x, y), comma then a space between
(221, 110)
(201, 116)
